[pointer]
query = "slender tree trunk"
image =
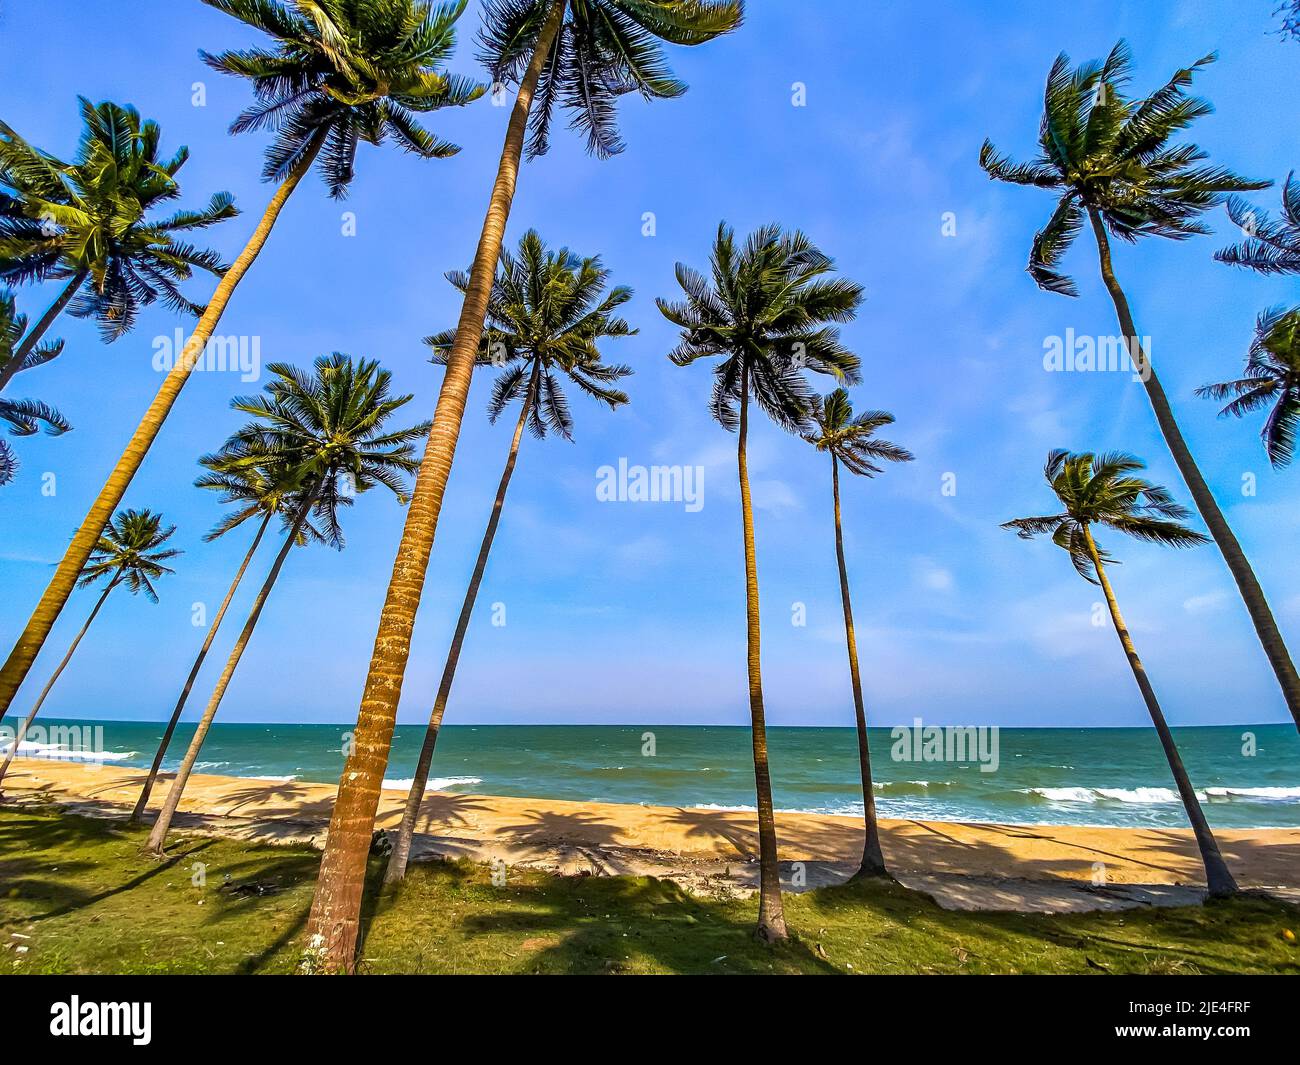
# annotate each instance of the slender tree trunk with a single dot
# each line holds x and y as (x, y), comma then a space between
(1251, 593)
(143, 801)
(771, 917)
(336, 908)
(37, 331)
(158, 836)
(1217, 876)
(398, 860)
(83, 541)
(873, 860)
(27, 722)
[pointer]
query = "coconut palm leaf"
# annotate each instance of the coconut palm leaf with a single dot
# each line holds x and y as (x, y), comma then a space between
(92, 219)
(130, 552)
(323, 433)
(1272, 379)
(548, 310)
(764, 317)
(1102, 490)
(342, 72)
(1106, 151)
(605, 49)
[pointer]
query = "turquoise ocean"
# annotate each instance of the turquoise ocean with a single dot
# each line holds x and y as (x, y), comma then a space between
(1247, 776)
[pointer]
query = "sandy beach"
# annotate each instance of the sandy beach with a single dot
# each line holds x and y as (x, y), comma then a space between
(1050, 868)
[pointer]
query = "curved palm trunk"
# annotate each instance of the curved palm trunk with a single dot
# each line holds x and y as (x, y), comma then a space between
(83, 541)
(873, 860)
(1251, 593)
(27, 721)
(336, 908)
(398, 860)
(771, 917)
(37, 331)
(1217, 876)
(158, 836)
(143, 801)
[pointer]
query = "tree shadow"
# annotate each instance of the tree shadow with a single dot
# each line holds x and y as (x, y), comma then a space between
(290, 794)
(553, 827)
(446, 810)
(654, 918)
(718, 824)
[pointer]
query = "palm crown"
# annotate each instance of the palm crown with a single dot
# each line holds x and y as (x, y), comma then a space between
(1270, 247)
(344, 71)
(605, 49)
(13, 326)
(58, 220)
(547, 312)
(1102, 490)
(766, 314)
(330, 428)
(271, 487)
(1272, 376)
(24, 417)
(130, 551)
(851, 439)
(1112, 155)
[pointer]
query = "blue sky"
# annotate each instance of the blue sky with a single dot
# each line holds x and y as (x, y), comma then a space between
(624, 612)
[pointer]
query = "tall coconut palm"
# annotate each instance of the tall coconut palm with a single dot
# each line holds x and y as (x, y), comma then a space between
(575, 55)
(1112, 161)
(547, 313)
(1102, 490)
(1272, 377)
(258, 491)
(331, 429)
(90, 225)
(342, 71)
(24, 417)
(129, 552)
(767, 316)
(851, 442)
(1270, 247)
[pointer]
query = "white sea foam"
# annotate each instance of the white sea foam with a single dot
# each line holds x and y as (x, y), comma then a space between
(1267, 794)
(1149, 796)
(60, 752)
(1140, 796)
(434, 784)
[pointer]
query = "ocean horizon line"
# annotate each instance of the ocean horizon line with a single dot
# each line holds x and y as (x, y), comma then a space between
(279, 723)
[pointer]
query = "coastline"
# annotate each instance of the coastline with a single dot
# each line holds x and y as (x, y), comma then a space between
(964, 865)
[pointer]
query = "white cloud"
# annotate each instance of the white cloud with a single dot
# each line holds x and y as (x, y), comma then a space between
(930, 574)
(1204, 604)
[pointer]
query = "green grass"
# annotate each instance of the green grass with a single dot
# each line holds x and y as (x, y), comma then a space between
(90, 902)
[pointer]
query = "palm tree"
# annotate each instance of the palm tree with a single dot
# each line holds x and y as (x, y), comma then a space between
(1270, 247)
(327, 434)
(89, 224)
(1102, 490)
(342, 72)
(578, 55)
(547, 313)
(851, 443)
(24, 417)
(1272, 376)
(258, 491)
(766, 315)
(1111, 159)
(128, 552)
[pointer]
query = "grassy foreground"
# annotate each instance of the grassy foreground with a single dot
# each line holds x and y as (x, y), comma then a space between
(88, 901)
